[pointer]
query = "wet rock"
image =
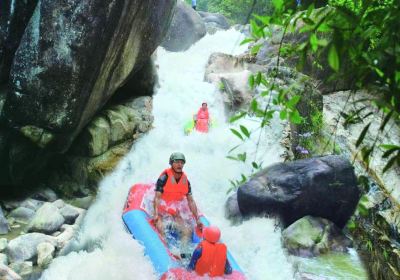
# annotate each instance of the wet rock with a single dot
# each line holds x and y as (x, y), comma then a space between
(7, 273)
(323, 187)
(61, 78)
(4, 227)
(267, 53)
(311, 236)
(45, 254)
(69, 213)
(22, 214)
(3, 260)
(115, 125)
(24, 247)
(27, 203)
(46, 195)
(232, 210)
(83, 202)
(123, 122)
(186, 28)
(59, 203)
(66, 235)
(3, 244)
(232, 75)
(212, 28)
(47, 219)
(24, 269)
(244, 29)
(96, 137)
(218, 20)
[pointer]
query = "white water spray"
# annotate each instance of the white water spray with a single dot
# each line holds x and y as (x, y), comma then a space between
(104, 250)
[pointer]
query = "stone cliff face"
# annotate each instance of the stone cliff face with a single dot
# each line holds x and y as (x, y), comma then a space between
(71, 59)
(14, 16)
(60, 69)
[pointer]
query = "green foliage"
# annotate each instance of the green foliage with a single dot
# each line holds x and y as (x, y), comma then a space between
(362, 208)
(348, 38)
(354, 40)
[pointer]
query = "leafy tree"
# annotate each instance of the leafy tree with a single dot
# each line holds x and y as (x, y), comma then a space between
(351, 38)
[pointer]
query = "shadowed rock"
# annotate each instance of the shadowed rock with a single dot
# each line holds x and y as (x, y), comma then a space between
(322, 187)
(72, 58)
(4, 227)
(14, 16)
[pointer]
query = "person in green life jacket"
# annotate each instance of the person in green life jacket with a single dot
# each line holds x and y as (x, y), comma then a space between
(172, 188)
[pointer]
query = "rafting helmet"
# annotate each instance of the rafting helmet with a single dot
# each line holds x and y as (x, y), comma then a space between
(211, 234)
(177, 156)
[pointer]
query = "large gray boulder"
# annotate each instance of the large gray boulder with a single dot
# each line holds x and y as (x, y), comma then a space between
(186, 28)
(322, 187)
(72, 58)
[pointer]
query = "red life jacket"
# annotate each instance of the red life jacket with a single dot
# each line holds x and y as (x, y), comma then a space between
(174, 191)
(202, 120)
(202, 114)
(212, 260)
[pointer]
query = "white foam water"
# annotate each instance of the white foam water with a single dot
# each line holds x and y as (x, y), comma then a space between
(104, 250)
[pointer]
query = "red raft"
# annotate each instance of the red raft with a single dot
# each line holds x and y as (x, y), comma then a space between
(136, 216)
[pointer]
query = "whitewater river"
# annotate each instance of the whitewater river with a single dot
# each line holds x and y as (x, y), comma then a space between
(104, 250)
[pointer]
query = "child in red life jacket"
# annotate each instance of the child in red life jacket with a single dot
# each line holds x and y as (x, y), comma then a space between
(202, 118)
(210, 256)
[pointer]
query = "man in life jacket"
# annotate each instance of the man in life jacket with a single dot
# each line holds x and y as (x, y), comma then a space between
(172, 188)
(210, 256)
(202, 119)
